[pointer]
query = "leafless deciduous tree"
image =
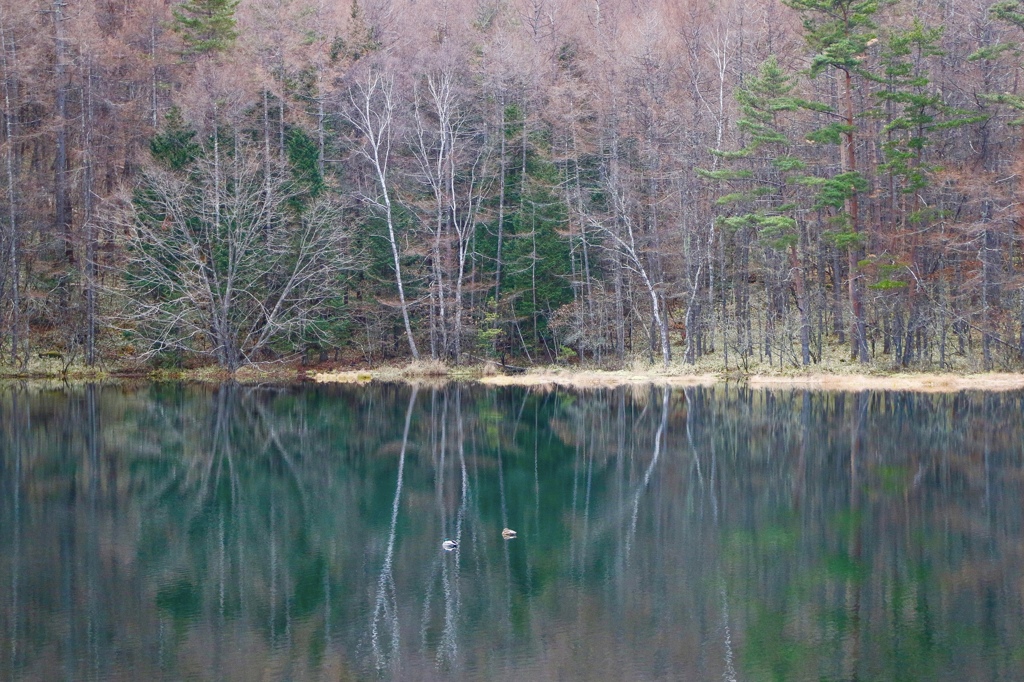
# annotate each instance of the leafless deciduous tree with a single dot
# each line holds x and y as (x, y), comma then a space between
(452, 153)
(221, 263)
(372, 114)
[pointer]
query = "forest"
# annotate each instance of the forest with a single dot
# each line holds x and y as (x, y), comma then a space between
(726, 184)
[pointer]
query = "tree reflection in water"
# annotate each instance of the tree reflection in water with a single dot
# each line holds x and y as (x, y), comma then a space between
(231, 532)
(386, 605)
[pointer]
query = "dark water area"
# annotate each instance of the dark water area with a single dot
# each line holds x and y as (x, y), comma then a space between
(175, 532)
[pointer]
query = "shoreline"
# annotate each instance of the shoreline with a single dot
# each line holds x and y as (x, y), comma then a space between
(553, 377)
(919, 382)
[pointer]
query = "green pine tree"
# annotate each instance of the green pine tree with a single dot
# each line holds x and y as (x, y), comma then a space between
(914, 110)
(206, 26)
(1010, 12)
(175, 146)
(840, 33)
(764, 196)
(535, 274)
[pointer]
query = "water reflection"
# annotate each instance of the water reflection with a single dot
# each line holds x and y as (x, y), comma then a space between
(182, 532)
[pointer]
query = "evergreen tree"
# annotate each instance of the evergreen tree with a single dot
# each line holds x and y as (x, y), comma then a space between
(1010, 12)
(531, 260)
(206, 26)
(765, 198)
(175, 146)
(230, 253)
(840, 33)
(914, 112)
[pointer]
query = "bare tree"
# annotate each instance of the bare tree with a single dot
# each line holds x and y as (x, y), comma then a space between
(219, 262)
(630, 245)
(452, 159)
(372, 115)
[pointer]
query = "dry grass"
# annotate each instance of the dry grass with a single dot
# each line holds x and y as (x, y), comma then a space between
(595, 378)
(835, 373)
(426, 368)
(919, 383)
(416, 371)
(815, 379)
(270, 372)
(345, 377)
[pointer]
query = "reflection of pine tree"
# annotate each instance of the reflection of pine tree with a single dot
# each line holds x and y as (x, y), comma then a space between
(206, 25)
(255, 519)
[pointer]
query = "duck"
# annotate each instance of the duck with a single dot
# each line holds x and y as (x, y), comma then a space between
(508, 533)
(449, 545)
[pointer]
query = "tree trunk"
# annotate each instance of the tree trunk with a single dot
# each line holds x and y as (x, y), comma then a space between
(88, 217)
(61, 198)
(858, 340)
(154, 118)
(799, 290)
(13, 256)
(987, 288)
(502, 162)
(376, 127)
(838, 327)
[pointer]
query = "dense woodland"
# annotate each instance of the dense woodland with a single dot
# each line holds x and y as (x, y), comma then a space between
(785, 183)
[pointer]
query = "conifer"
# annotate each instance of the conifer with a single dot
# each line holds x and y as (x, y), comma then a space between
(206, 26)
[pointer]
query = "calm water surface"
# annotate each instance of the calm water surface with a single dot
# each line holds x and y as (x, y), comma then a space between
(171, 532)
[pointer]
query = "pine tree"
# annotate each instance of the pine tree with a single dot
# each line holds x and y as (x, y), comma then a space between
(1010, 12)
(840, 33)
(206, 26)
(914, 111)
(175, 146)
(766, 190)
(531, 259)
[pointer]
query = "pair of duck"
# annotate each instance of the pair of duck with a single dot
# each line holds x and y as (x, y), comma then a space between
(506, 533)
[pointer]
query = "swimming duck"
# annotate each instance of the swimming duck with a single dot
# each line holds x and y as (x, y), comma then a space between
(449, 545)
(508, 533)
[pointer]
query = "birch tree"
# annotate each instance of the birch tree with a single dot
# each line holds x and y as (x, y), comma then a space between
(451, 155)
(624, 239)
(372, 113)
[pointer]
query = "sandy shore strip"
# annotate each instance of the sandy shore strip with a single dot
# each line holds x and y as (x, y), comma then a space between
(598, 379)
(920, 383)
(590, 379)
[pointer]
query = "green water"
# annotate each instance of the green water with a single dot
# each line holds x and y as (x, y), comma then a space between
(170, 532)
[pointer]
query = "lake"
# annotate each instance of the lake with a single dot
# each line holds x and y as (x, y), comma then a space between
(183, 532)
